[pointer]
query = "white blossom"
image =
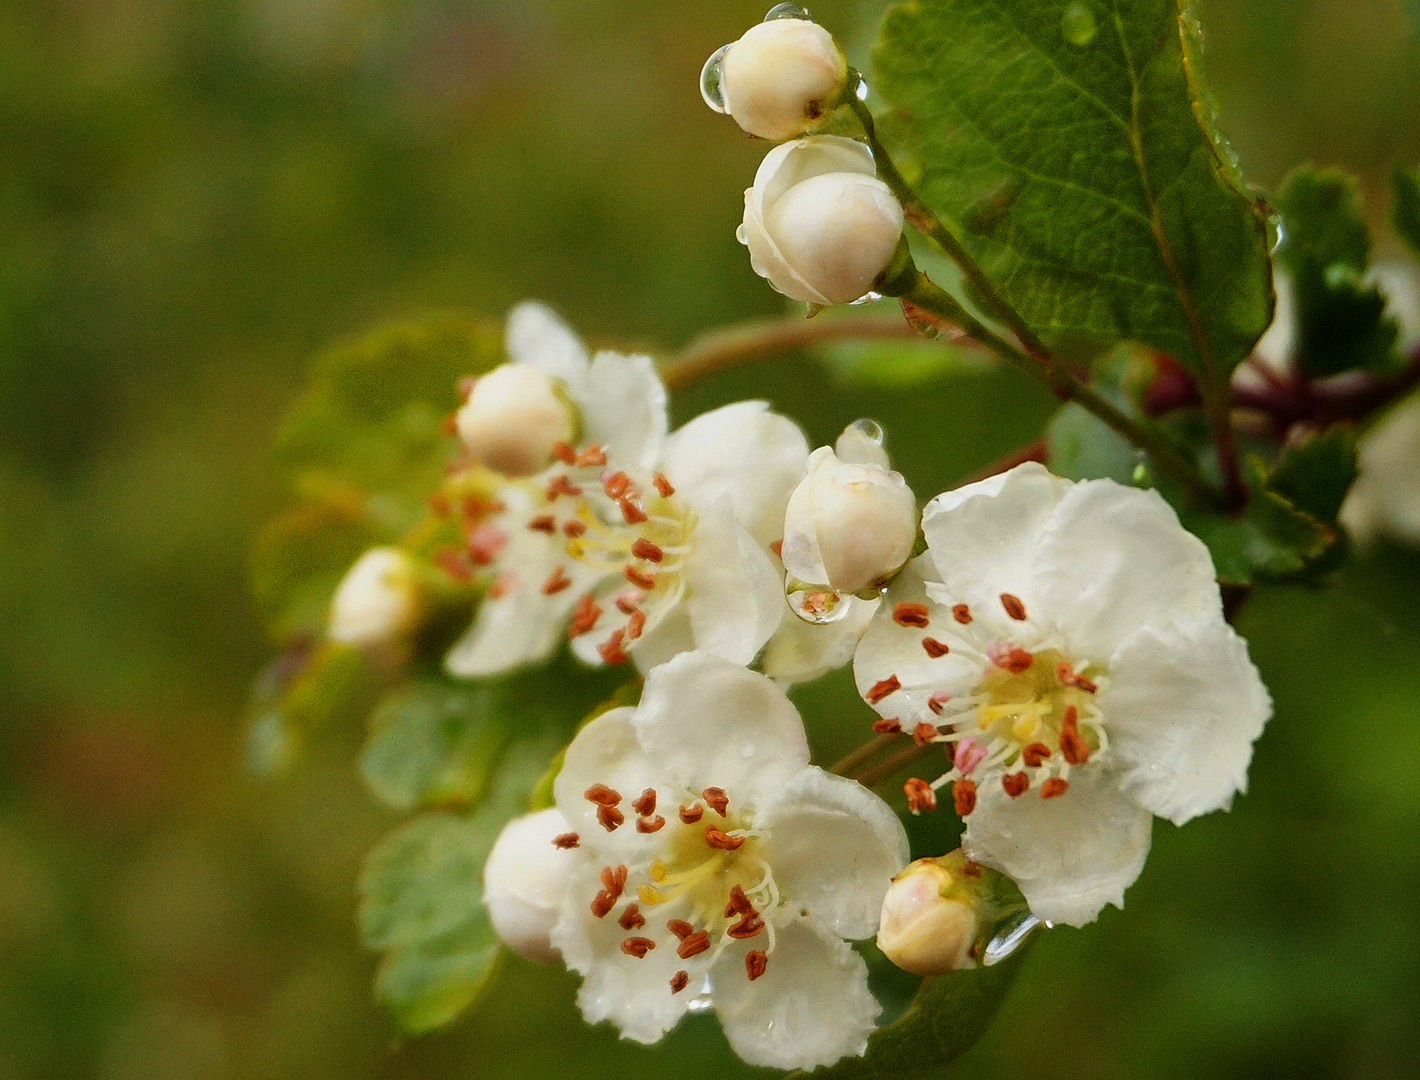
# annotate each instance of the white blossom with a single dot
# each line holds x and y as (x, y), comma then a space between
(1065, 642)
(523, 882)
(377, 601)
(634, 543)
(513, 418)
(715, 865)
(781, 76)
(819, 224)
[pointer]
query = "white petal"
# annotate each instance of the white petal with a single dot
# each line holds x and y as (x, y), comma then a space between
(708, 722)
(834, 848)
(536, 336)
(1182, 711)
(745, 452)
(524, 881)
(800, 651)
(523, 626)
(1070, 855)
(735, 597)
(1386, 496)
(1115, 558)
(607, 751)
(624, 409)
(811, 1007)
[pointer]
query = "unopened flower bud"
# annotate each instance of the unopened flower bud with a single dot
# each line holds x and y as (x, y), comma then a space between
(929, 922)
(848, 526)
(782, 76)
(377, 601)
(523, 882)
(513, 418)
(818, 222)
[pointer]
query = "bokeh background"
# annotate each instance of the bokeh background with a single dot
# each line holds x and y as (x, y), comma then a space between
(197, 194)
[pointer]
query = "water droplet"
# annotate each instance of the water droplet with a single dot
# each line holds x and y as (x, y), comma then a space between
(866, 298)
(1078, 24)
(861, 90)
(702, 1003)
(788, 11)
(712, 80)
(818, 606)
(741, 235)
(1010, 935)
(866, 429)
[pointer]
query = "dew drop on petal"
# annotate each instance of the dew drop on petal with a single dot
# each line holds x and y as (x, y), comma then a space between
(1010, 935)
(712, 80)
(870, 430)
(1078, 24)
(742, 236)
(788, 11)
(818, 606)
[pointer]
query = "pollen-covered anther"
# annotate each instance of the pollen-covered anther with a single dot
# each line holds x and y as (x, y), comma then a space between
(717, 800)
(680, 928)
(592, 456)
(645, 803)
(890, 726)
(679, 981)
(962, 614)
(938, 701)
(637, 947)
(602, 904)
(610, 818)
(663, 486)
(750, 925)
(911, 615)
(1054, 788)
(631, 513)
(693, 945)
(543, 523)
(1034, 754)
(756, 963)
(934, 648)
(564, 453)
(1066, 674)
(920, 796)
(1014, 608)
(616, 484)
(640, 578)
(629, 600)
(738, 903)
(566, 841)
(611, 651)
(882, 689)
(689, 815)
(560, 485)
(964, 796)
(614, 879)
(584, 617)
(602, 795)
(1015, 784)
(631, 918)
(1072, 744)
(635, 625)
(1015, 659)
(924, 733)
(644, 549)
(722, 841)
(650, 824)
(573, 528)
(556, 582)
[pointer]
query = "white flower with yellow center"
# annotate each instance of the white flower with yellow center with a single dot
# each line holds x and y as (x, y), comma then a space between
(632, 543)
(1066, 643)
(717, 867)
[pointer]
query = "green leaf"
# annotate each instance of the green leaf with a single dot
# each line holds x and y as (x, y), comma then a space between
(429, 983)
(1405, 210)
(1315, 472)
(1083, 447)
(1065, 142)
(1340, 320)
(948, 1015)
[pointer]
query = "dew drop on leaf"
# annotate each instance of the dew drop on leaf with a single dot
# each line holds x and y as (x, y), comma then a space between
(1078, 24)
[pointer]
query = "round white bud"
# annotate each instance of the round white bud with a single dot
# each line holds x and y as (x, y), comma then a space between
(377, 601)
(523, 882)
(848, 526)
(929, 924)
(781, 77)
(513, 417)
(818, 222)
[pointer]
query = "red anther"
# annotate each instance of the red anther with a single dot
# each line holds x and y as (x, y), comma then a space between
(556, 582)
(628, 601)
(584, 617)
(962, 614)
(502, 585)
(614, 879)
(1066, 674)
(750, 925)
(882, 689)
(602, 904)
(644, 549)
(631, 918)
(964, 796)
(887, 727)
(564, 453)
(602, 795)
(1054, 788)
(566, 840)
(934, 648)
(439, 504)
(920, 796)
(476, 508)
(717, 800)
(679, 981)
(544, 523)
(453, 563)
(645, 803)
(693, 945)
(637, 947)
(611, 651)
(1015, 660)
(631, 513)
(663, 485)
(450, 424)
(756, 963)
(1014, 608)
(1015, 784)
(924, 733)
(911, 615)
(485, 543)
(642, 580)
(739, 903)
(635, 625)
(610, 818)
(722, 841)
(650, 824)
(938, 700)
(692, 813)
(680, 928)
(593, 455)
(560, 485)
(778, 548)
(615, 484)
(574, 527)
(1073, 746)
(1035, 753)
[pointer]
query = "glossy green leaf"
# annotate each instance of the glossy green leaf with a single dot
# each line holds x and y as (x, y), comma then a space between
(1062, 141)
(1405, 207)
(1340, 321)
(1315, 472)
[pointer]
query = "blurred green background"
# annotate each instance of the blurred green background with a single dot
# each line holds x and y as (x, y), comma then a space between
(196, 194)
